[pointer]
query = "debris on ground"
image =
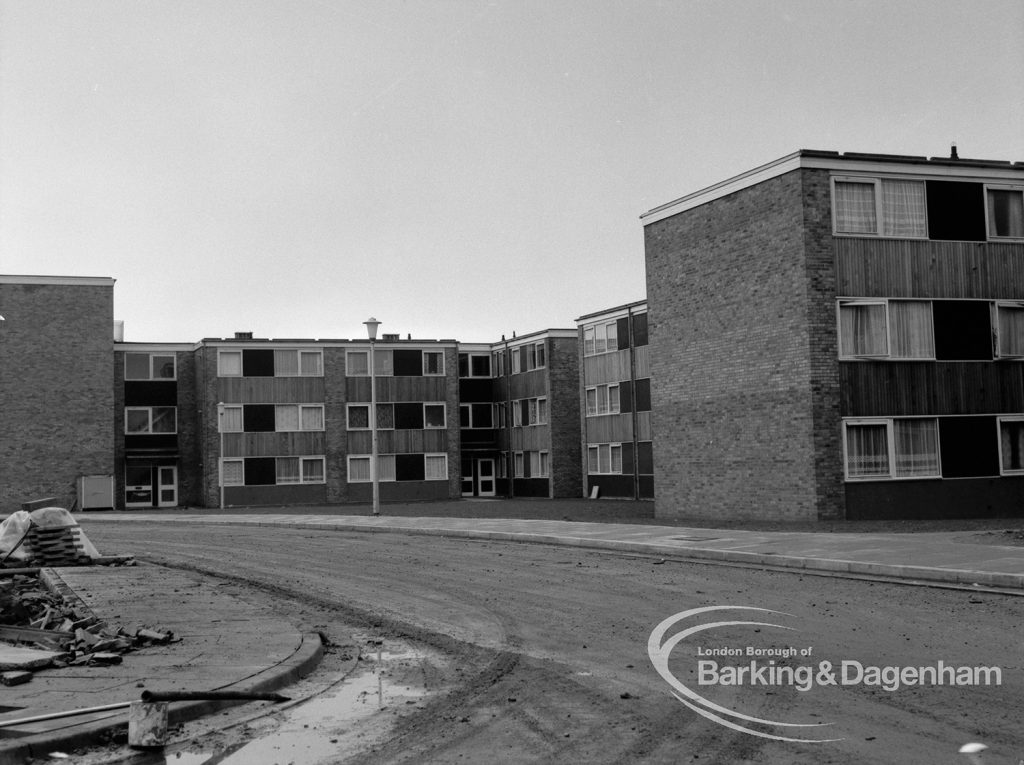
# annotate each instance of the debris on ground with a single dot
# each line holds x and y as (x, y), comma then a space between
(39, 629)
(49, 536)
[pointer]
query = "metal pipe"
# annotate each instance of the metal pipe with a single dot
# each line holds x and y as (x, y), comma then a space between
(69, 713)
(152, 696)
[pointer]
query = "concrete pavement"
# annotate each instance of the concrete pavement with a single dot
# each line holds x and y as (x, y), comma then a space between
(928, 557)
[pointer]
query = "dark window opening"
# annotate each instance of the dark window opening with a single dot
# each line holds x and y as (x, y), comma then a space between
(407, 363)
(259, 418)
(640, 329)
(968, 446)
(645, 457)
(956, 211)
(408, 416)
(643, 395)
(260, 471)
(622, 332)
(963, 330)
(257, 362)
(409, 467)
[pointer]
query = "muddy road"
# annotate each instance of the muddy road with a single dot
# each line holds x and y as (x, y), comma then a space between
(550, 649)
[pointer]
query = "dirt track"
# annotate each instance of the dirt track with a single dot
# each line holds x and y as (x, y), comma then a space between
(552, 644)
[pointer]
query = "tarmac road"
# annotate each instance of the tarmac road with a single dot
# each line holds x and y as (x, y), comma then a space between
(565, 674)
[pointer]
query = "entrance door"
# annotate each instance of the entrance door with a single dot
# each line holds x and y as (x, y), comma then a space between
(467, 477)
(167, 485)
(485, 485)
(138, 485)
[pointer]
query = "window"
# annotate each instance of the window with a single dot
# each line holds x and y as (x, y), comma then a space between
(895, 329)
(600, 338)
(232, 472)
(892, 448)
(231, 419)
(357, 363)
(435, 467)
(229, 364)
(604, 458)
(498, 363)
(298, 363)
(517, 362)
(529, 411)
(434, 416)
(1009, 325)
(433, 363)
(474, 365)
(538, 464)
(860, 204)
(1005, 212)
(294, 417)
(358, 416)
(359, 468)
(520, 469)
(299, 470)
(541, 356)
(1011, 444)
(149, 366)
(602, 399)
(150, 420)
(476, 415)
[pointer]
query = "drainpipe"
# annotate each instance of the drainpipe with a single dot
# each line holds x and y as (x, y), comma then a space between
(510, 458)
(632, 396)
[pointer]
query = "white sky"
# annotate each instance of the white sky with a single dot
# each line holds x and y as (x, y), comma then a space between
(456, 168)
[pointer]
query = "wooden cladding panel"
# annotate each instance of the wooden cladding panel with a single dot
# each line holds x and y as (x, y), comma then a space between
(610, 428)
(896, 388)
(399, 442)
(397, 389)
(642, 361)
(532, 439)
(530, 384)
(643, 427)
(905, 268)
(273, 444)
(269, 390)
(606, 368)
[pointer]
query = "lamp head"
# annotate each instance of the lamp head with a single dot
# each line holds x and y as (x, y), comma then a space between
(371, 327)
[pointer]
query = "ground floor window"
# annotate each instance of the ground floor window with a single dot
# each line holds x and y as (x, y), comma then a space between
(604, 458)
(272, 471)
(1011, 444)
(399, 467)
(892, 448)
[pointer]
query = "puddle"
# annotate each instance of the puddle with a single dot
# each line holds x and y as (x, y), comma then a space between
(389, 679)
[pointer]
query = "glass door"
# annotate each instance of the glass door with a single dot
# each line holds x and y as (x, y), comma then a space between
(485, 483)
(167, 488)
(138, 486)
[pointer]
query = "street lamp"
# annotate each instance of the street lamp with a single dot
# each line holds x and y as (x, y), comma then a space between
(371, 331)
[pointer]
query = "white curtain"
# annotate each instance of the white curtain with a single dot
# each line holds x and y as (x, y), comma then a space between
(286, 363)
(435, 467)
(311, 363)
(867, 450)
(288, 470)
(903, 209)
(231, 419)
(312, 417)
(313, 470)
(855, 208)
(862, 330)
(912, 336)
(229, 363)
(917, 447)
(287, 418)
(358, 363)
(359, 469)
(1005, 213)
(233, 471)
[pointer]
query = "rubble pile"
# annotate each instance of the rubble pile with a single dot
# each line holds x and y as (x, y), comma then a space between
(38, 629)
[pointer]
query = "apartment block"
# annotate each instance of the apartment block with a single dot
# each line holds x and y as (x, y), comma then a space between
(617, 432)
(840, 336)
(56, 386)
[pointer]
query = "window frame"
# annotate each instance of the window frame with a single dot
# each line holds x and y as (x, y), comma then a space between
(999, 436)
(889, 344)
(241, 418)
(149, 428)
(388, 476)
(221, 354)
(224, 461)
(997, 338)
(1019, 189)
(152, 360)
(435, 456)
(444, 415)
(612, 447)
(299, 419)
(890, 438)
(440, 355)
(876, 182)
(601, 393)
(610, 340)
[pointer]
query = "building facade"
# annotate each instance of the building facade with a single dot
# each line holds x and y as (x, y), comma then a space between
(615, 388)
(840, 336)
(56, 386)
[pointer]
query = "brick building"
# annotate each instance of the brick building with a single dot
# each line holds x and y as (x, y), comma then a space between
(617, 432)
(840, 336)
(56, 385)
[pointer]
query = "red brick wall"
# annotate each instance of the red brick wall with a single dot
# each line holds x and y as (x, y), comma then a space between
(739, 292)
(56, 389)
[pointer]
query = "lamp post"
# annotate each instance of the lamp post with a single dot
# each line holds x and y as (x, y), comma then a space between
(371, 331)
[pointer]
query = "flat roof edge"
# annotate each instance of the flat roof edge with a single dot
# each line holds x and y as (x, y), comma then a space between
(87, 281)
